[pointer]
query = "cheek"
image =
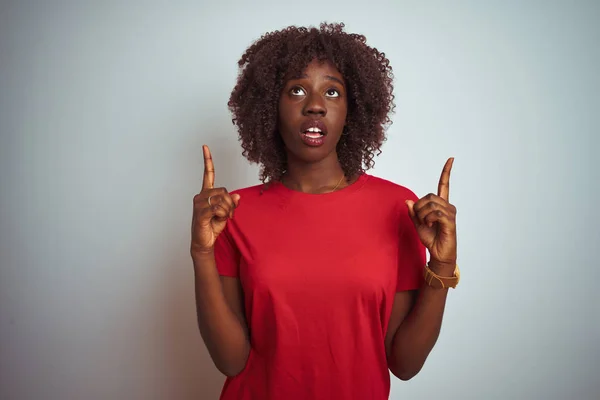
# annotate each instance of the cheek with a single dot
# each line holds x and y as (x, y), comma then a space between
(340, 115)
(285, 130)
(341, 109)
(285, 113)
(284, 127)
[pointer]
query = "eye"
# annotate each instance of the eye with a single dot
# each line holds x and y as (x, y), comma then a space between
(332, 93)
(297, 91)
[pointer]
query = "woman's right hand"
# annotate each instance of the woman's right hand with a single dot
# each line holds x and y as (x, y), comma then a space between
(212, 208)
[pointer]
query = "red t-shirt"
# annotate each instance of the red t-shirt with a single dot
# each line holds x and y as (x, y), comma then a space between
(319, 273)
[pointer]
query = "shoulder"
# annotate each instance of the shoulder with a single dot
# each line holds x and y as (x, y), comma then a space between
(250, 191)
(257, 197)
(388, 188)
(390, 198)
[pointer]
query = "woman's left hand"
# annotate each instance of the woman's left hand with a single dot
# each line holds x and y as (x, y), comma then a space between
(435, 220)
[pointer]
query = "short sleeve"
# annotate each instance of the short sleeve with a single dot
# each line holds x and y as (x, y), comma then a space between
(227, 255)
(411, 254)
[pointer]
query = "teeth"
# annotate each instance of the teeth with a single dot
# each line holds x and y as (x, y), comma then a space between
(314, 130)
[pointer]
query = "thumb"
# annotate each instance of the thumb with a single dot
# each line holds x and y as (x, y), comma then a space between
(411, 212)
(236, 199)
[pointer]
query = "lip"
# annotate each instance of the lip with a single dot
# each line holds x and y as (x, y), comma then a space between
(314, 123)
(312, 142)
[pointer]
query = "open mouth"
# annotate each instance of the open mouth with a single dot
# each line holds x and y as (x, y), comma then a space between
(313, 137)
(313, 133)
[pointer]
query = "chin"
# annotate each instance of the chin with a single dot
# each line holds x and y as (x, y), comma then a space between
(312, 155)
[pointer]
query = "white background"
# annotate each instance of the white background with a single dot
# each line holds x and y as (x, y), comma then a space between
(104, 107)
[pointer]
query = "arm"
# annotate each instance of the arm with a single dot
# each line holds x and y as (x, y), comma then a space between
(414, 328)
(219, 307)
(416, 320)
(219, 303)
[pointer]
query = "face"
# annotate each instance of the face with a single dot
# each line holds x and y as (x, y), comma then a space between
(312, 112)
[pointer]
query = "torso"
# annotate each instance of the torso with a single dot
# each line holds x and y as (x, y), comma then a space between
(319, 274)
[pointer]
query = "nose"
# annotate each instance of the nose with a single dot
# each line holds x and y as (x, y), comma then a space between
(315, 105)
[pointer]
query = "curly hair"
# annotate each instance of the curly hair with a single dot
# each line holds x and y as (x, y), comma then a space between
(264, 69)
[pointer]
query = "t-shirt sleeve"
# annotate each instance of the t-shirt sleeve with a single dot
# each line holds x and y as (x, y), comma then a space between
(227, 255)
(411, 252)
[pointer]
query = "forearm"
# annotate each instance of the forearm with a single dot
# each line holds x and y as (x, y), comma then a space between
(224, 334)
(419, 331)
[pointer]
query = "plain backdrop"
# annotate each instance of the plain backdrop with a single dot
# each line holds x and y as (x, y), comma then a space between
(104, 107)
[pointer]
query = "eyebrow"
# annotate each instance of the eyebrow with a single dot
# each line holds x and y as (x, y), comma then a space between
(327, 77)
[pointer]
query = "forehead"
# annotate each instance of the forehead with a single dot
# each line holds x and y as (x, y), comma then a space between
(319, 69)
(324, 67)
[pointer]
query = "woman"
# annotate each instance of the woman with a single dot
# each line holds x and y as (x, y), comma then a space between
(310, 286)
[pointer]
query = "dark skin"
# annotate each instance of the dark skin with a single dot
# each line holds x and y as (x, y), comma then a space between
(219, 300)
(416, 317)
(320, 94)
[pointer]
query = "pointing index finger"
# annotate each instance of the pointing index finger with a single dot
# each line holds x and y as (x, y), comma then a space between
(444, 184)
(209, 169)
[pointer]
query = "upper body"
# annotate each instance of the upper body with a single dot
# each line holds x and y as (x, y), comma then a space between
(319, 274)
(310, 286)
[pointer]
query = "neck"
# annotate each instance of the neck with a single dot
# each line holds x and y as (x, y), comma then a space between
(318, 177)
